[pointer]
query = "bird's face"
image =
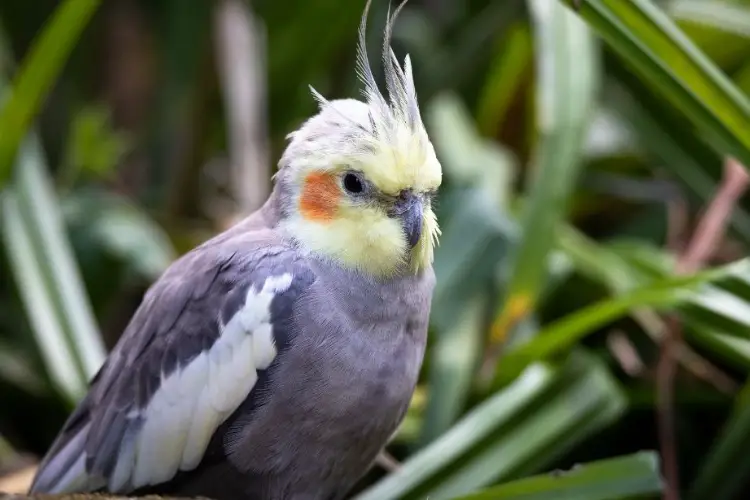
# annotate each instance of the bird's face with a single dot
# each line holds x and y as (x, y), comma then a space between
(361, 196)
(359, 177)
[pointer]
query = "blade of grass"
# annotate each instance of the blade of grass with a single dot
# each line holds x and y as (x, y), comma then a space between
(675, 146)
(40, 310)
(602, 264)
(588, 400)
(452, 363)
(611, 479)
(725, 334)
(568, 73)
(644, 36)
(38, 73)
(565, 332)
(727, 465)
(512, 60)
(719, 14)
(39, 205)
(733, 349)
(475, 237)
(724, 306)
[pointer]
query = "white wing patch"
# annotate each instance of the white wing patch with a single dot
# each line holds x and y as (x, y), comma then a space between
(192, 402)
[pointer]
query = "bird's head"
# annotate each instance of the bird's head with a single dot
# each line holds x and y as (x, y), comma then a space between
(359, 178)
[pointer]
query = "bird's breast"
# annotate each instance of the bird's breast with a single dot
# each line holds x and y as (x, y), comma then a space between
(337, 394)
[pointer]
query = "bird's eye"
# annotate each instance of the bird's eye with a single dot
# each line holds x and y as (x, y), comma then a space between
(353, 184)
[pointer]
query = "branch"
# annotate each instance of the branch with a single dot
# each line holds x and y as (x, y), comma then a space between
(708, 235)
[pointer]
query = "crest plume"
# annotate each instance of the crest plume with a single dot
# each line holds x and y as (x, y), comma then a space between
(383, 139)
(401, 103)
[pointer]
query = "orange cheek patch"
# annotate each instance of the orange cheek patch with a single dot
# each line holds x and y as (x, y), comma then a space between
(320, 197)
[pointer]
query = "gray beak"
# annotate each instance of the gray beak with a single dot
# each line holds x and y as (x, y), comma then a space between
(409, 209)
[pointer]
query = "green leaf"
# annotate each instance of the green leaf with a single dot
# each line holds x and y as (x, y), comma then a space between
(567, 67)
(41, 211)
(94, 148)
(612, 479)
(40, 309)
(453, 358)
(654, 45)
(674, 145)
(719, 14)
(727, 465)
(38, 73)
(517, 431)
(475, 238)
(597, 262)
(565, 332)
(472, 429)
(467, 157)
(731, 348)
(508, 67)
(122, 229)
(717, 317)
(48, 278)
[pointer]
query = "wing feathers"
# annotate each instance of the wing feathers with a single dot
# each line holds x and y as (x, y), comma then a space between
(178, 426)
(120, 476)
(264, 348)
(68, 466)
(170, 388)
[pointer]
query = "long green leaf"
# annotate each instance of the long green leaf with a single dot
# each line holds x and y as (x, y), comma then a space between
(733, 349)
(727, 465)
(475, 237)
(674, 145)
(588, 401)
(717, 317)
(38, 73)
(40, 310)
(567, 67)
(564, 333)
(719, 14)
(454, 357)
(612, 479)
(508, 67)
(641, 33)
(39, 205)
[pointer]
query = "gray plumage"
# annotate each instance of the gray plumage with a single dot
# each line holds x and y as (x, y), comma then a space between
(276, 360)
(317, 418)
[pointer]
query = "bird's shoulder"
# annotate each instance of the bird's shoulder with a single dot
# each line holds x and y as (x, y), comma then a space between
(205, 332)
(185, 311)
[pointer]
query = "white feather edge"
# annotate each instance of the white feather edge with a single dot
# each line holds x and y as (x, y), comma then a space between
(192, 402)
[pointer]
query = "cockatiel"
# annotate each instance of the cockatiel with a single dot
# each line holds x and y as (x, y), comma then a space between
(276, 360)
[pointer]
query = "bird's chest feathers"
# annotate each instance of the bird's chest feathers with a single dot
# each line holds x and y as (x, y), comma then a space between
(373, 360)
(363, 357)
(374, 378)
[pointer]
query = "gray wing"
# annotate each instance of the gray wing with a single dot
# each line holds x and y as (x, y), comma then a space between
(190, 356)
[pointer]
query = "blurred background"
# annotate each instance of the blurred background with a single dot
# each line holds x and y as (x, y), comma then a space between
(592, 304)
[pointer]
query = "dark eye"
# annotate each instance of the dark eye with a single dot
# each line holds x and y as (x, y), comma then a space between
(353, 184)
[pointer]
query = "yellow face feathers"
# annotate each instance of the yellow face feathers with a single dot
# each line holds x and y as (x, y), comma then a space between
(361, 176)
(409, 162)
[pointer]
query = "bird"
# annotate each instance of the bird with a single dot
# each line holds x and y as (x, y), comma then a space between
(276, 359)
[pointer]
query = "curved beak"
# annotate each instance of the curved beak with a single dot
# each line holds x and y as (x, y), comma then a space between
(408, 208)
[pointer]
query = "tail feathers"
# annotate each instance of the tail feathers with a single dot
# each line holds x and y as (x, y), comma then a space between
(64, 470)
